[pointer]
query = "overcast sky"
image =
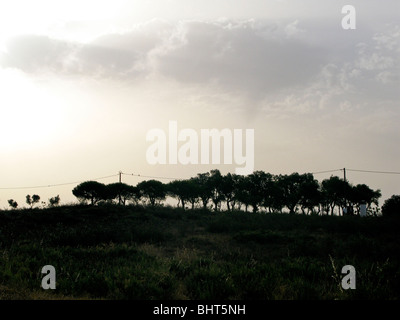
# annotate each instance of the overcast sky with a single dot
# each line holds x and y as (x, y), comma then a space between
(82, 82)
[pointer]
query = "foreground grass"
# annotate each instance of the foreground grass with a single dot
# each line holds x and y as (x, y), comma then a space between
(114, 252)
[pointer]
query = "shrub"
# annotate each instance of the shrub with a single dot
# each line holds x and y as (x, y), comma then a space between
(391, 207)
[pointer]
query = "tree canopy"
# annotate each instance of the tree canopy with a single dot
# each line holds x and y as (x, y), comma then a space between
(152, 190)
(391, 207)
(91, 191)
(259, 191)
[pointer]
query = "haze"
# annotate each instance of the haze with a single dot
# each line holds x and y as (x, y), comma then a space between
(82, 82)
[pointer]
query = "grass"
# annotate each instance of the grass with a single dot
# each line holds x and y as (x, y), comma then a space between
(113, 252)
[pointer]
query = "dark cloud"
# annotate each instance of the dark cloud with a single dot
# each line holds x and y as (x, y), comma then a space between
(238, 57)
(123, 54)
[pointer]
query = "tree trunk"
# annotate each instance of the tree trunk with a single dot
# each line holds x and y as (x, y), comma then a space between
(332, 207)
(205, 202)
(227, 204)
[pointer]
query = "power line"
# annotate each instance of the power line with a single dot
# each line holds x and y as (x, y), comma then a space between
(358, 170)
(372, 171)
(170, 178)
(327, 171)
(152, 177)
(56, 185)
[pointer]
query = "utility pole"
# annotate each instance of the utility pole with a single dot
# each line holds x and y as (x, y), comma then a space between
(344, 174)
(119, 194)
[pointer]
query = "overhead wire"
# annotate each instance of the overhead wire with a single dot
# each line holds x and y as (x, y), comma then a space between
(56, 185)
(372, 171)
(171, 178)
(326, 171)
(152, 177)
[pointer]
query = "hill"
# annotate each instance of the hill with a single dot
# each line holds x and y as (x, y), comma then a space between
(132, 252)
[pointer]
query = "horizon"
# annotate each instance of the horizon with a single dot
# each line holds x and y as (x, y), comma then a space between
(169, 200)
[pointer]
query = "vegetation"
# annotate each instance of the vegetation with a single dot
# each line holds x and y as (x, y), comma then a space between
(13, 204)
(55, 201)
(92, 191)
(124, 242)
(133, 252)
(391, 207)
(153, 191)
(294, 193)
(31, 201)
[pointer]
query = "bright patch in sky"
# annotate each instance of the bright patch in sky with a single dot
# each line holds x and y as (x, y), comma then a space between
(29, 114)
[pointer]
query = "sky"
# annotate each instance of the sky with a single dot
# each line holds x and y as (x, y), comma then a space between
(83, 82)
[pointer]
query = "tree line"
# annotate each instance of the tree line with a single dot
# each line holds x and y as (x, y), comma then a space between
(258, 191)
(34, 199)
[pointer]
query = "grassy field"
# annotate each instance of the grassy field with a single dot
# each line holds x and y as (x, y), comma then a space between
(113, 252)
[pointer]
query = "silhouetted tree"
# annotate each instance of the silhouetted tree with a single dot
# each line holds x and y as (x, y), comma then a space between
(296, 192)
(290, 189)
(13, 204)
(215, 181)
(134, 195)
(185, 191)
(122, 192)
(32, 200)
(92, 191)
(391, 207)
(204, 190)
(362, 194)
(153, 190)
(55, 201)
(229, 189)
(193, 192)
(310, 194)
(179, 189)
(258, 186)
(335, 192)
(243, 193)
(273, 199)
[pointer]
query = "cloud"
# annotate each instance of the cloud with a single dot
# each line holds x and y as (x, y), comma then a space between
(35, 53)
(237, 56)
(123, 55)
(252, 58)
(292, 29)
(114, 55)
(364, 80)
(379, 60)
